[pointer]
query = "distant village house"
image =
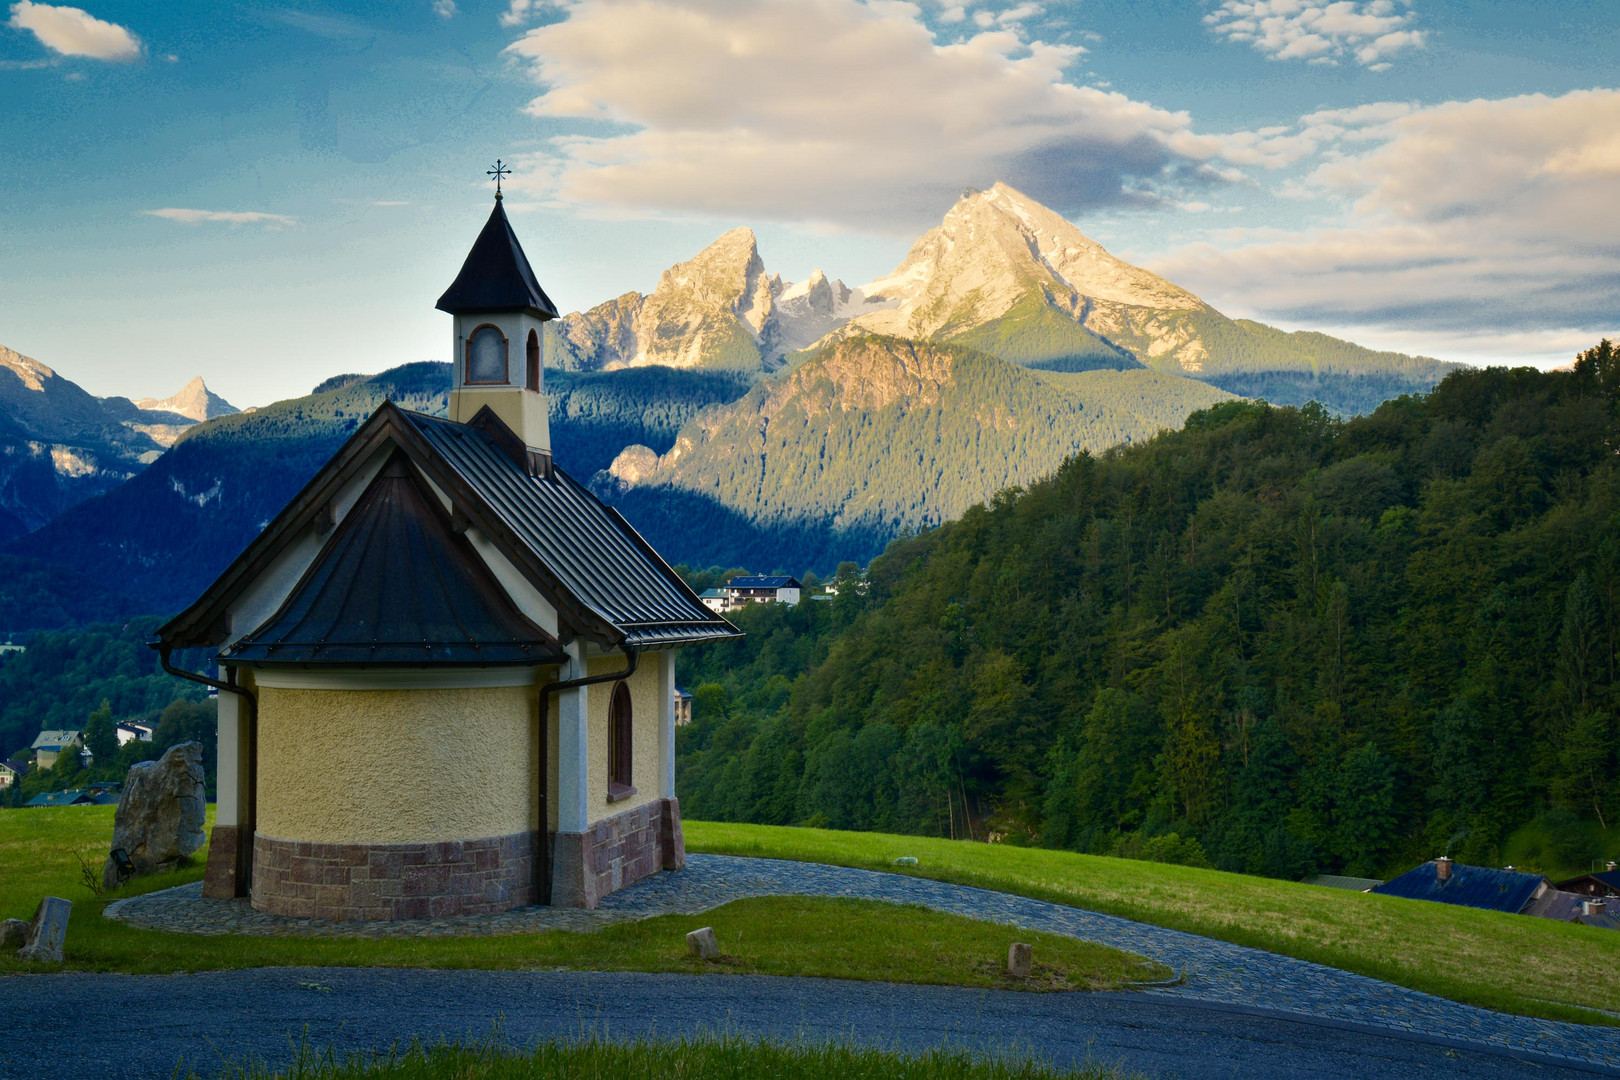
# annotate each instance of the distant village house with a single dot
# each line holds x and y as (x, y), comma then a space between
(48, 746)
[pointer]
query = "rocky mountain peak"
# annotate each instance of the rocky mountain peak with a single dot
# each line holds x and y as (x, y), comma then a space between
(29, 371)
(194, 401)
(992, 250)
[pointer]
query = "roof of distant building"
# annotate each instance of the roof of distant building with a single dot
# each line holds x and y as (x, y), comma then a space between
(61, 798)
(1339, 881)
(1470, 886)
(1607, 878)
(1557, 905)
(764, 582)
(54, 740)
(497, 276)
(712, 594)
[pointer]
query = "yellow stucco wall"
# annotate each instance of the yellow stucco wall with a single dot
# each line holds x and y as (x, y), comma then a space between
(396, 766)
(645, 712)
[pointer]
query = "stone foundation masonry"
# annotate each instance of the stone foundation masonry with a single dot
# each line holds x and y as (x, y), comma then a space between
(312, 880)
(615, 852)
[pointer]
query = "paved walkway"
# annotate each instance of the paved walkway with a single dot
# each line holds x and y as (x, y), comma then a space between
(136, 1027)
(1216, 972)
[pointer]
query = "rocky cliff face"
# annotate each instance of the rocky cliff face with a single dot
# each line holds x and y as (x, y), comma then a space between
(718, 310)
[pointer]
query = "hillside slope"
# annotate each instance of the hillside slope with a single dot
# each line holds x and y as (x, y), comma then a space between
(1289, 643)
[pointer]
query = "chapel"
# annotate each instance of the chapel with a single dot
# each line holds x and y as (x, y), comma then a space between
(446, 669)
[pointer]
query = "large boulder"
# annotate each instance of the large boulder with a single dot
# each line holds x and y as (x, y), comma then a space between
(160, 815)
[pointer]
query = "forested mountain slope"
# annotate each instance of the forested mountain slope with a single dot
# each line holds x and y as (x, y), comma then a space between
(872, 437)
(1301, 643)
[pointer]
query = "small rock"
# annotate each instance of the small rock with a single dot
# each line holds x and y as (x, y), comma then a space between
(160, 814)
(1020, 960)
(701, 943)
(49, 929)
(13, 934)
(906, 860)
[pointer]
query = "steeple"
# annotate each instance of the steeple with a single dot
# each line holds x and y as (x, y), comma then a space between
(499, 313)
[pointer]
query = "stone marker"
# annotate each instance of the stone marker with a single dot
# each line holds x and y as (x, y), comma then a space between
(46, 934)
(1020, 960)
(160, 814)
(13, 934)
(701, 943)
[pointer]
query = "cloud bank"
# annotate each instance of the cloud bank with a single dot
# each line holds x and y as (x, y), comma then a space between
(1461, 217)
(227, 217)
(838, 112)
(1318, 32)
(70, 31)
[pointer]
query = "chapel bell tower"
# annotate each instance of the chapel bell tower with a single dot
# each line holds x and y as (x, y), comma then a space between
(498, 339)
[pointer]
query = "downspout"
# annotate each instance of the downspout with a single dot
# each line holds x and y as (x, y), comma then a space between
(544, 860)
(250, 797)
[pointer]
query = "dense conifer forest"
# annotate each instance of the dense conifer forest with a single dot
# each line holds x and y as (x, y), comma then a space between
(1274, 641)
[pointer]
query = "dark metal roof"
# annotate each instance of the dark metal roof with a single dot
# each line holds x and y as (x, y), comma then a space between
(1604, 880)
(396, 586)
(1470, 886)
(764, 582)
(587, 546)
(497, 275)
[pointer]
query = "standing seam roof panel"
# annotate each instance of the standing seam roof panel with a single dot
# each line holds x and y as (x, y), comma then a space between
(576, 538)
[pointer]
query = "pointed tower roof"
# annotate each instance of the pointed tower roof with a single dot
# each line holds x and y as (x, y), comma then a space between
(497, 275)
(397, 586)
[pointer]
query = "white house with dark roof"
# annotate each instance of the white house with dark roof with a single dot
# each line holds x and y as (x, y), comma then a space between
(760, 589)
(448, 669)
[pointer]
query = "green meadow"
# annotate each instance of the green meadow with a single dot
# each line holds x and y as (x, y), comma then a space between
(1512, 963)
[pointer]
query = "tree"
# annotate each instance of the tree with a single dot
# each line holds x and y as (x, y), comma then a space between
(1588, 759)
(101, 736)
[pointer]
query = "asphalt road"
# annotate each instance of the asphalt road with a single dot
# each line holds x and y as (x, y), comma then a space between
(123, 1027)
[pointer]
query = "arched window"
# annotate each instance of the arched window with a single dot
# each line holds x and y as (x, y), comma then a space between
(619, 744)
(486, 355)
(533, 357)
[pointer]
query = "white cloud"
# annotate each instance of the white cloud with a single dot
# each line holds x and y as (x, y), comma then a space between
(71, 31)
(1319, 31)
(1460, 217)
(228, 217)
(444, 9)
(831, 112)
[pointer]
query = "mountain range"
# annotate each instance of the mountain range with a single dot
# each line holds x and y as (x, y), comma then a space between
(734, 418)
(60, 444)
(1002, 274)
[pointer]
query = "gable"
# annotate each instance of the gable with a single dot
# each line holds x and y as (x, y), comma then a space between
(547, 532)
(397, 586)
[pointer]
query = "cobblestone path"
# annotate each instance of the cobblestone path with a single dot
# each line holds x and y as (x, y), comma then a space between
(1215, 971)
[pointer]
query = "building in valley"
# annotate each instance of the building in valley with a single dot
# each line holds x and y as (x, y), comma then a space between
(447, 670)
(776, 589)
(49, 745)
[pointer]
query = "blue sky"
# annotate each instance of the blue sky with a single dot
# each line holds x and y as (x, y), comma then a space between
(271, 195)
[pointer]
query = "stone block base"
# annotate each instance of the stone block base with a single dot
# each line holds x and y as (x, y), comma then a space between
(221, 881)
(616, 852)
(307, 879)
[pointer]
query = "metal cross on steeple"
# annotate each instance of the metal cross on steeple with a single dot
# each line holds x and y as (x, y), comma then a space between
(497, 172)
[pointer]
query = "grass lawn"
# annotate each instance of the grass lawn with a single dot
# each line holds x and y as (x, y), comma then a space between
(720, 1057)
(769, 935)
(1513, 963)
